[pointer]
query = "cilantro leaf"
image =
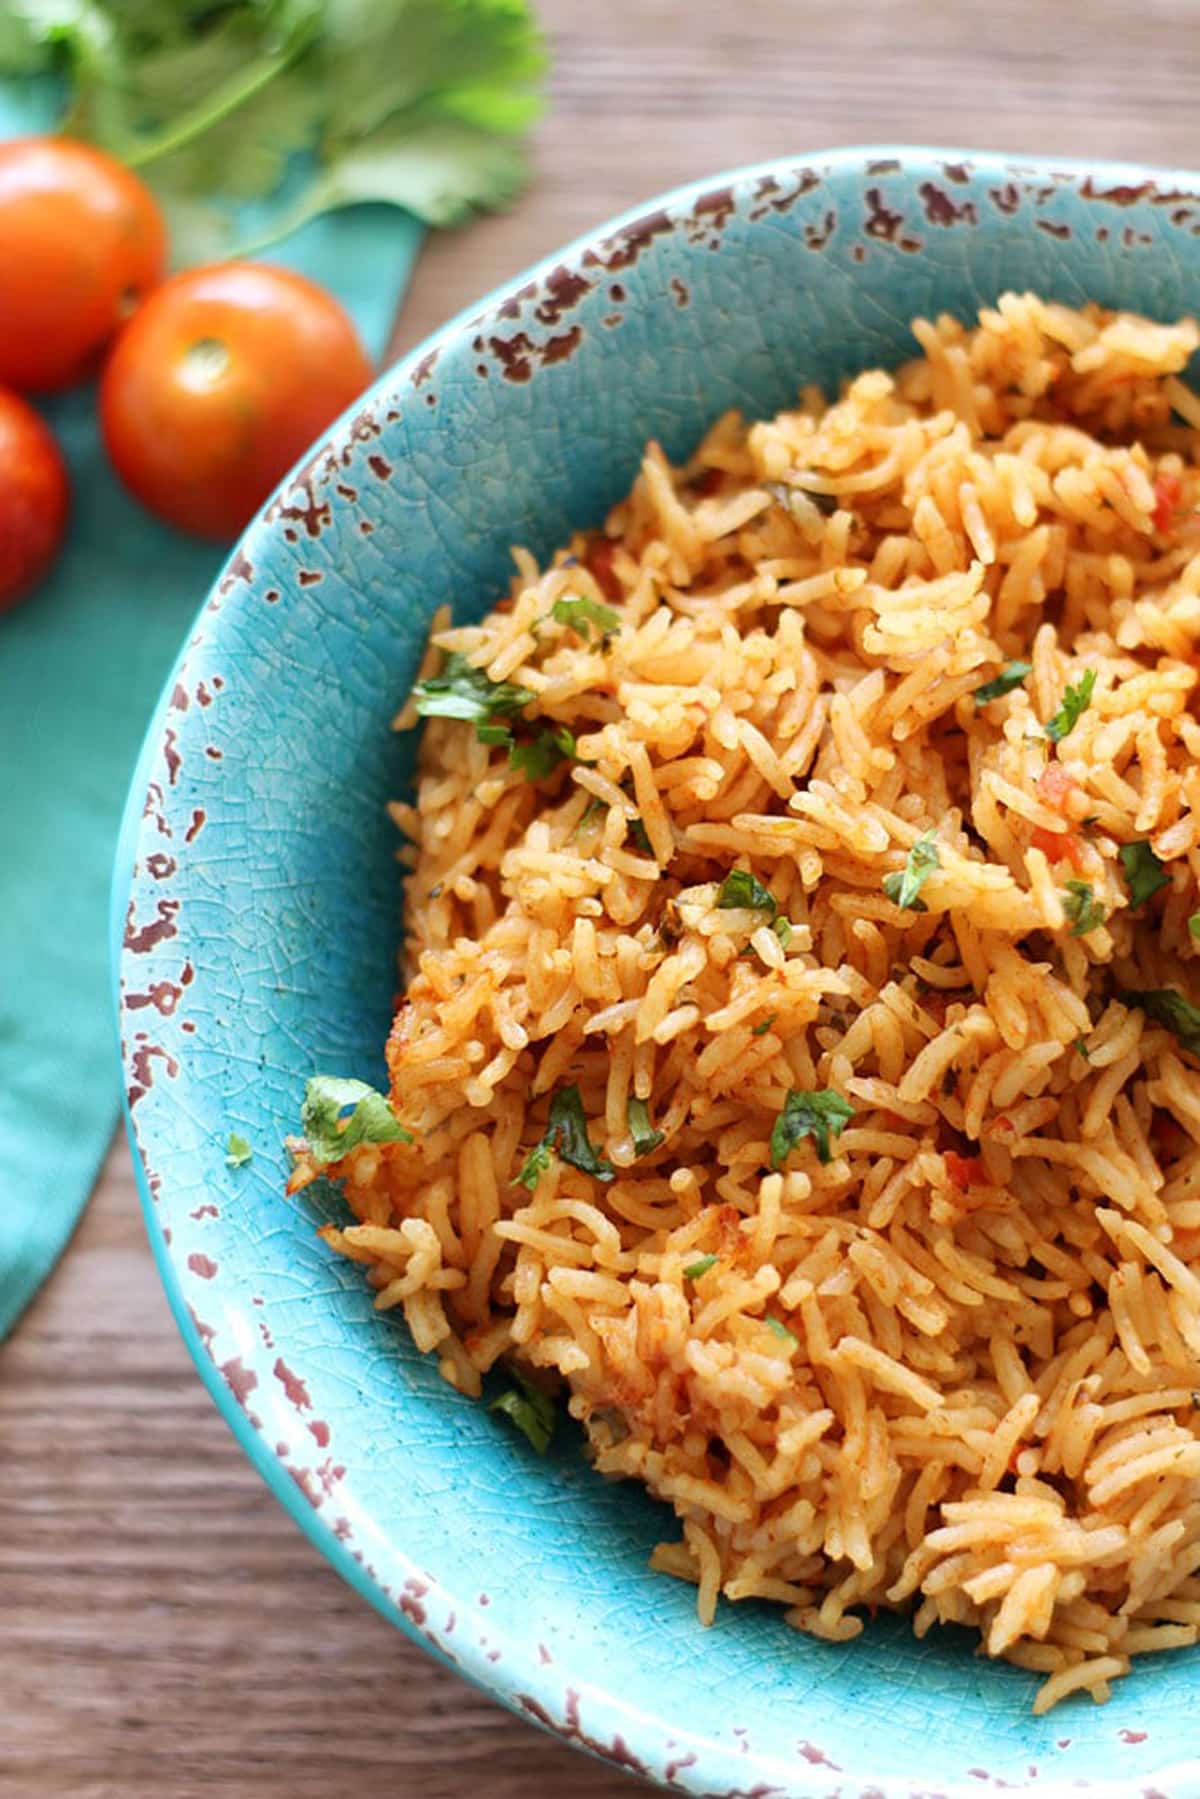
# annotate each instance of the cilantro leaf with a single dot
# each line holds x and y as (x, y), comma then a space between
(645, 1137)
(903, 887)
(460, 691)
(1075, 702)
(1194, 925)
(694, 1270)
(237, 1152)
(740, 890)
(1168, 1008)
(495, 734)
(1082, 908)
(566, 1133)
(579, 613)
(535, 1165)
(1081, 1048)
(539, 756)
(529, 1409)
(779, 1329)
(814, 1115)
(372, 1120)
(782, 928)
(295, 105)
(760, 1030)
(1143, 871)
(1010, 676)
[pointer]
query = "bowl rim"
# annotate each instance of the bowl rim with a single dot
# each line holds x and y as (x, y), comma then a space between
(617, 1730)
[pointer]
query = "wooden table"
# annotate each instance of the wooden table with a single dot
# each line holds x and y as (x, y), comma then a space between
(165, 1631)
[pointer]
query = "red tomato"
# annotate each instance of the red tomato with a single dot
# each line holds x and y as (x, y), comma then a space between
(963, 1171)
(34, 499)
(1167, 489)
(599, 560)
(219, 384)
(1057, 846)
(81, 241)
(1054, 785)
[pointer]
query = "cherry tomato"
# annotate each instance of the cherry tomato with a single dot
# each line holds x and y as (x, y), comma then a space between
(81, 241)
(219, 384)
(34, 498)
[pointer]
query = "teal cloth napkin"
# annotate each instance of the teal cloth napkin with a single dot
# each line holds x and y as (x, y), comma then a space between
(81, 664)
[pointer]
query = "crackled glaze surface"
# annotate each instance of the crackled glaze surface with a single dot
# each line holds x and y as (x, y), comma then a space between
(255, 915)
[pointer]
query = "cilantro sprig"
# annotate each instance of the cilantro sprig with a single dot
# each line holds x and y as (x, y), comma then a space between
(818, 1115)
(459, 690)
(1075, 702)
(1167, 1007)
(419, 103)
(328, 1137)
(237, 1151)
(742, 891)
(1084, 911)
(904, 886)
(645, 1137)
(583, 613)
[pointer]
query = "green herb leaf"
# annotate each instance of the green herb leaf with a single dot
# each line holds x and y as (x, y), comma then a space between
(1194, 925)
(645, 1137)
(592, 813)
(372, 1120)
(412, 102)
(1143, 871)
(903, 887)
(539, 756)
(816, 1115)
(1082, 908)
(694, 1270)
(1081, 1048)
(237, 1151)
(1075, 702)
(779, 1329)
(639, 836)
(740, 890)
(579, 614)
(535, 1165)
(495, 734)
(760, 1030)
(460, 691)
(1169, 1008)
(783, 930)
(529, 1409)
(566, 1132)
(1010, 676)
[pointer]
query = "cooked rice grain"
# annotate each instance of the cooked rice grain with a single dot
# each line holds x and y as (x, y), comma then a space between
(953, 1366)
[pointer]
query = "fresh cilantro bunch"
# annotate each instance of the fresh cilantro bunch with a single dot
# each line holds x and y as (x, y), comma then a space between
(309, 104)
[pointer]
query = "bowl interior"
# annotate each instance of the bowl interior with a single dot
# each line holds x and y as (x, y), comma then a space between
(260, 922)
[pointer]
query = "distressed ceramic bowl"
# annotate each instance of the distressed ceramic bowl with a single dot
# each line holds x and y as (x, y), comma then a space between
(258, 914)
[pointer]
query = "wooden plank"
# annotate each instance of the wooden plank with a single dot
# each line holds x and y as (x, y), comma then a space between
(165, 1631)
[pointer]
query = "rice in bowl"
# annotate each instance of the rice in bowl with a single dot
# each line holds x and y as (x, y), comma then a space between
(796, 1062)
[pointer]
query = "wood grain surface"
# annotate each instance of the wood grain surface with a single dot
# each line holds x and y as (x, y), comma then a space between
(165, 1631)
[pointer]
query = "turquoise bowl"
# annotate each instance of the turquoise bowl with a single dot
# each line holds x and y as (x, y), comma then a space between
(256, 921)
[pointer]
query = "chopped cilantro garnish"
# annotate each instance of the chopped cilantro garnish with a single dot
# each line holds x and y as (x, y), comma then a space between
(237, 1151)
(566, 1132)
(783, 930)
(645, 1137)
(814, 1115)
(372, 1120)
(529, 1409)
(740, 889)
(460, 691)
(694, 1270)
(780, 1329)
(579, 614)
(495, 734)
(535, 1165)
(1169, 1008)
(904, 886)
(1143, 871)
(1082, 908)
(1010, 676)
(1075, 702)
(1194, 925)
(760, 1030)
(539, 756)
(1081, 1048)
